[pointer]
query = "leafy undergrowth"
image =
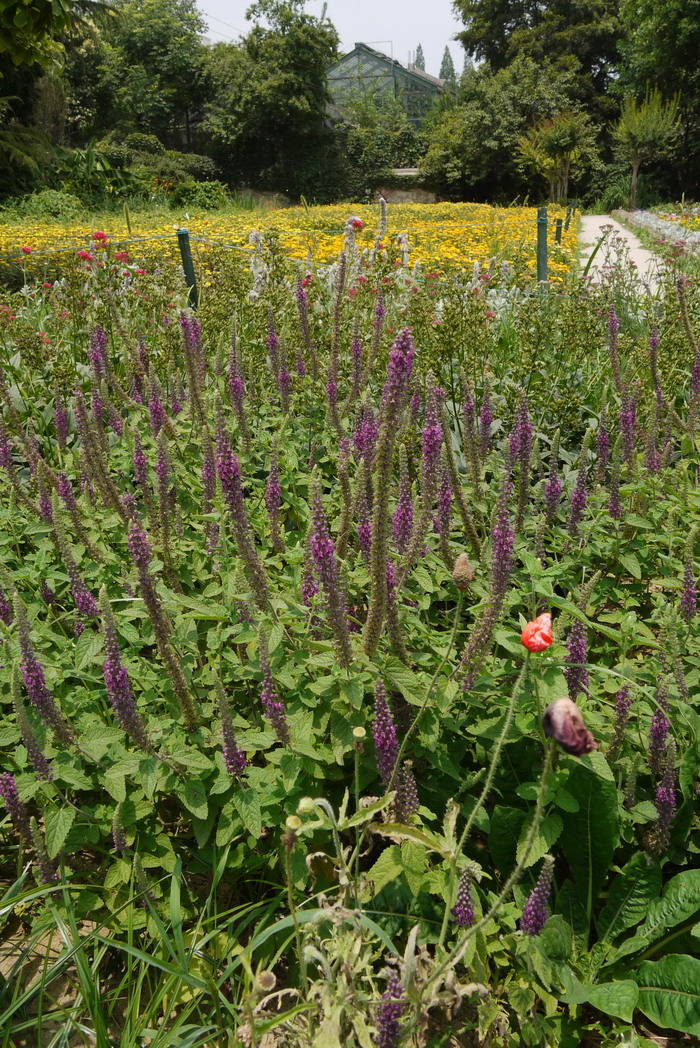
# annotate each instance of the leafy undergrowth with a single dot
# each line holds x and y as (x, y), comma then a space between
(279, 767)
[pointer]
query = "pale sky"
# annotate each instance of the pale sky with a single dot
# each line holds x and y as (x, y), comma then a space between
(392, 26)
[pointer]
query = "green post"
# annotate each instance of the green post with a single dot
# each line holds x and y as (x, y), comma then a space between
(541, 244)
(183, 239)
(557, 230)
(568, 219)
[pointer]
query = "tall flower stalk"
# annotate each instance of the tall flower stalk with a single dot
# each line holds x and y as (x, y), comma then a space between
(326, 565)
(394, 396)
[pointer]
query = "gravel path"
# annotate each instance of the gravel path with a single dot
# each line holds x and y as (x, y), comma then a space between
(592, 229)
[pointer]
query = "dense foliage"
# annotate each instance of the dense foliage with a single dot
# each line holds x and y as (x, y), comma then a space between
(283, 755)
(254, 112)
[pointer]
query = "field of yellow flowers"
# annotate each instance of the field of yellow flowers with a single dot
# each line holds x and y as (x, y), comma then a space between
(440, 237)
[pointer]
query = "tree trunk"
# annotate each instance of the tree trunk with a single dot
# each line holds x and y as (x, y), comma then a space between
(636, 163)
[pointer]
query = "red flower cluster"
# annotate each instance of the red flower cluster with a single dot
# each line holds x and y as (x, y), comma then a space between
(85, 255)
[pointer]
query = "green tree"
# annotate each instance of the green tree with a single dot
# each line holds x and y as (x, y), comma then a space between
(420, 57)
(553, 145)
(154, 68)
(577, 35)
(447, 70)
(33, 31)
(267, 117)
(473, 150)
(659, 49)
(645, 130)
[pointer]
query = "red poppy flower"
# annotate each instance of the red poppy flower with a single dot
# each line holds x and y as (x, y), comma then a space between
(537, 635)
(26, 250)
(357, 223)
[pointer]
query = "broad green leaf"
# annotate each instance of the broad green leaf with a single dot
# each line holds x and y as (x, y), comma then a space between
(414, 862)
(589, 837)
(679, 901)
(399, 832)
(504, 833)
(669, 992)
(635, 887)
(365, 814)
(57, 824)
(386, 869)
(195, 799)
(247, 805)
(407, 682)
(118, 873)
(629, 561)
(548, 832)
(613, 998)
(87, 648)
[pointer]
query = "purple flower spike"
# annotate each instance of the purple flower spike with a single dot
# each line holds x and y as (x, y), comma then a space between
(463, 911)
(389, 1014)
(385, 742)
(272, 704)
(536, 909)
(16, 808)
(576, 656)
(61, 421)
(98, 352)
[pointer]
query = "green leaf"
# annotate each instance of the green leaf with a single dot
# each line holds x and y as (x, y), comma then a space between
(669, 992)
(247, 805)
(365, 814)
(87, 647)
(629, 561)
(504, 833)
(408, 683)
(615, 998)
(549, 831)
(414, 862)
(630, 895)
(589, 837)
(399, 832)
(195, 799)
(57, 825)
(386, 869)
(679, 901)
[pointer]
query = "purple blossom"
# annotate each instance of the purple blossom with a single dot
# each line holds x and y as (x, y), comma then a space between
(444, 503)
(5, 608)
(502, 540)
(389, 1012)
(520, 438)
(98, 409)
(272, 704)
(414, 407)
(323, 552)
(485, 420)
(61, 421)
(694, 390)
(463, 910)
(623, 704)
(552, 493)
(156, 411)
(384, 733)
(140, 463)
(37, 758)
(365, 432)
(536, 909)
(98, 352)
(309, 584)
(658, 734)
(398, 374)
(34, 679)
(356, 358)
(16, 807)
(431, 441)
(273, 502)
(602, 446)
(137, 542)
(273, 345)
(665, 803)
(576, 672)
(407, 802)
(579, 498)
(230, 478)
(119, 690)
(689, 599)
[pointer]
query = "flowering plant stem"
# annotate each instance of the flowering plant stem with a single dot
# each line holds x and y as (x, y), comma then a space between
(510, 713)
(456, 954)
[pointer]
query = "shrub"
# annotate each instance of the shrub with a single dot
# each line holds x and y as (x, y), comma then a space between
(209, 195)
(50, 203)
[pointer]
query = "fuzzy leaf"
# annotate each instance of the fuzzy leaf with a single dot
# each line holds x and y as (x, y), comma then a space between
(630, 895)
(57, 825)
(669, 992)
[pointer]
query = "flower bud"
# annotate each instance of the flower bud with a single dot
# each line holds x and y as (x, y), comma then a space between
(462, 573)
(293, 822)
(562, 720)
(305, 806)
(265, 981)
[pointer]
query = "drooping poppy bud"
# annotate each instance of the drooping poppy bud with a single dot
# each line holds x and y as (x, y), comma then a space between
(462, 573)
(537, 635)
(562, 720)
